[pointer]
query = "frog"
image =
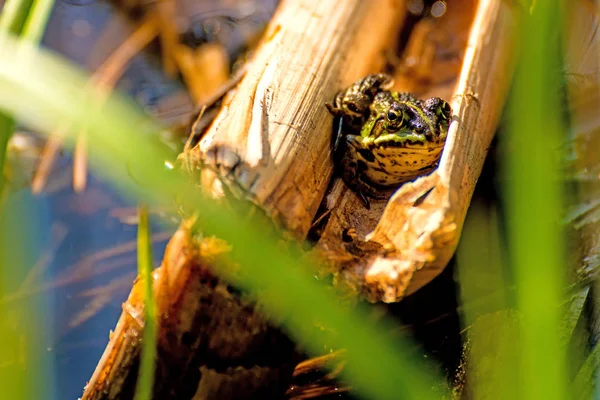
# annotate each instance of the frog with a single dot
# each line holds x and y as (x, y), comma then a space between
(399, 139)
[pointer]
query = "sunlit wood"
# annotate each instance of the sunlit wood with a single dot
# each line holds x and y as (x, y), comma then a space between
(276, 122)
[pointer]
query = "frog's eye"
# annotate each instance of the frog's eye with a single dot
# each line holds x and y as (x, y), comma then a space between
(445, 110)
(439, 107)
(395, 116)
(352, 107)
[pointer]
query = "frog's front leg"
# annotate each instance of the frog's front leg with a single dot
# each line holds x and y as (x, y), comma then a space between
(351, 160)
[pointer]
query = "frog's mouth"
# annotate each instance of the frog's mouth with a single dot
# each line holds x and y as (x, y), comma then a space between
(421, 145)
(405, 130)
(405, 137)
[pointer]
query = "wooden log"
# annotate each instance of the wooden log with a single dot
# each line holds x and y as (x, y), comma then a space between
(273, 132)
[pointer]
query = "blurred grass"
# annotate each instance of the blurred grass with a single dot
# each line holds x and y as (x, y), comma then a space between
(26, 19)
(23, 373)
(522, 354)
(12, 20)
(43, 91)
(143, 389)
(534, 202)
(14, 15)
(37, 19)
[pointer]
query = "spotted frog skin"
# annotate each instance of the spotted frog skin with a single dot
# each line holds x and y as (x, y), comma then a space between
(396, 139)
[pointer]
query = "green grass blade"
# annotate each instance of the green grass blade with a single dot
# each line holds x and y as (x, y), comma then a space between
(7, 126)
(12, 20)
(490, 327)
(37, 20)
(147, 364)
(13, 16)
(584, 384)
(121, 149)
(17, 20)
(23, 373)
(535, 204)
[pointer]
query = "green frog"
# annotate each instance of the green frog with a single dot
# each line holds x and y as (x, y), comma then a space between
(398, 140)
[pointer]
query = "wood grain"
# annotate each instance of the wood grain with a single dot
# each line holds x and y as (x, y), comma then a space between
(273, 132)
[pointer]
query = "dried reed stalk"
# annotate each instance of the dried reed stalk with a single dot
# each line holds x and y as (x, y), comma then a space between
(275, 124)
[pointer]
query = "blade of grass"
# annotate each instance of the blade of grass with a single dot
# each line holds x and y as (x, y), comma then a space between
(583, 385)
(118, 134)
(36, 22)
(143, 389)
(27, 18)
(491, 327)
(7, 127)
(12, 19)
(23, 373)
(534, 202)
(13, 16)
